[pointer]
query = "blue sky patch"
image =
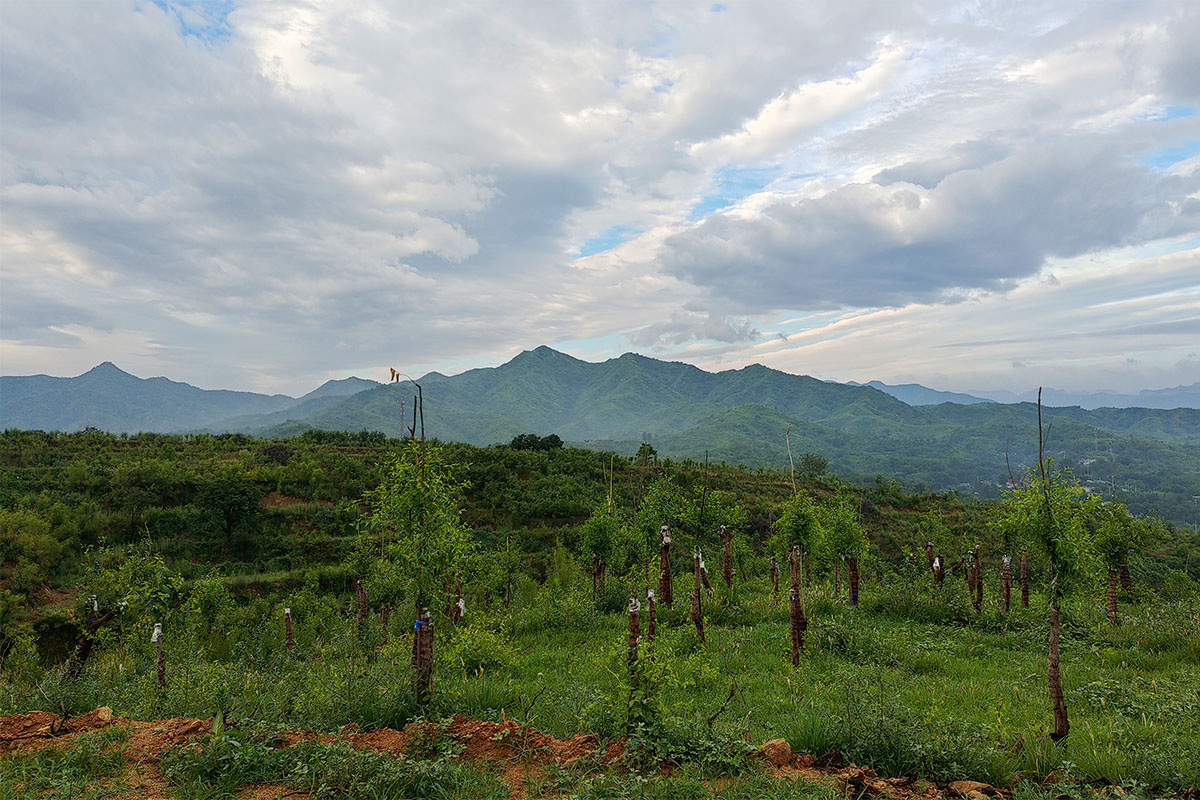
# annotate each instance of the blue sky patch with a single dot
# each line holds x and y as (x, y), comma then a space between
(204, 20)
(606, 240)
(1166, 156)
(733, 184)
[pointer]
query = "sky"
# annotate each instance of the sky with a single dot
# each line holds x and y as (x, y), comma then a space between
(264, 195)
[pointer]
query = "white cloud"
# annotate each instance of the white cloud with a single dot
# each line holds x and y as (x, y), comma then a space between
(309, 188)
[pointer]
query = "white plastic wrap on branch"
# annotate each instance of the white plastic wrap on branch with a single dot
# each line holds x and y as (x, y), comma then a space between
(462, 607)
(649, 594)
(157, 635)
(635, 605)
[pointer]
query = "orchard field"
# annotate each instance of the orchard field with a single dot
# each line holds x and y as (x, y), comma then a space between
(286, 576)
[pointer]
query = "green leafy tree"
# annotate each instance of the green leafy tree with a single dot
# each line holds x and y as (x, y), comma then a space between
(414, 523)
(1050, 515)
(1119, 533)
(843, 538)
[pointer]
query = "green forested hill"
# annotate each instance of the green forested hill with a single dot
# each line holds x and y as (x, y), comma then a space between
(1150, 457)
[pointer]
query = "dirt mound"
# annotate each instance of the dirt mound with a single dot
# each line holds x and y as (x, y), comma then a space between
(19, 731)
(503, 741)
(147, 740)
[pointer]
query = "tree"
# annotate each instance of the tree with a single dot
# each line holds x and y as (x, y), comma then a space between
(1119, 533)
(232, 502)
(1050, 514)
(415, 524)
(646, 456)
(797, 532)
(843, 537)
(812, 465)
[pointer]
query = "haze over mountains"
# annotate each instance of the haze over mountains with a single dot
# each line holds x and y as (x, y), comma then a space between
(1149, 455)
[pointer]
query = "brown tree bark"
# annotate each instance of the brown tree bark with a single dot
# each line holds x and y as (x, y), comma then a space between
(457, 606)
(1024, 580)
(799, 624)
(287, 627)
(704, 577)
(852, 568)
(1126, 578)
(158, 655)
(929, 555)
(635, 630)
(1006, 580)
(978, 581)
(697, 617)
(423, 656)
(1112, 596)
(83, 649)
(664, 567)
(774, 581)
(1061, 724)
(939, 570)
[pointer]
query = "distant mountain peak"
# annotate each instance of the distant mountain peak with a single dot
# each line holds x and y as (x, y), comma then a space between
(107, 368)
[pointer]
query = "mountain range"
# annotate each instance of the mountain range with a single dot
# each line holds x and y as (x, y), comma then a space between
(1150, 456)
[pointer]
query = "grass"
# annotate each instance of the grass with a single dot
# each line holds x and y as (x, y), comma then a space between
(905, 683)
(89, 768)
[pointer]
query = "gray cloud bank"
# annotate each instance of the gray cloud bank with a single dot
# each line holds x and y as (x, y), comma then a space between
(296, 191)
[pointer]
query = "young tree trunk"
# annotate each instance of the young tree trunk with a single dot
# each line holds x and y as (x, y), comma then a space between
(929, 555)
(664, 567)
(1112, 596)
(727, 561)
(1061, 724)
(697, 618)
(971, 584)
(651, 615)
(852, 568)
(1006, 580)
(978, 600)
(457, 606)
(287, 627)
(939, 570)
(799, 624)
(423, 656)
(156, 637)
(361, 595)
(837, 579)
(704, 576)
(1126, 578)
(1024, 580)
(83, 649)
(774, 581)
(635, 630)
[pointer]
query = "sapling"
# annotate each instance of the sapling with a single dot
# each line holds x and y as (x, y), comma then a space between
(843, 536)
(417, 500)
(696, 612)
(1050, 513)
(1118, 533)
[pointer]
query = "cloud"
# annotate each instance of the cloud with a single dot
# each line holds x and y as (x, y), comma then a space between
(273, 193)
(872, 244)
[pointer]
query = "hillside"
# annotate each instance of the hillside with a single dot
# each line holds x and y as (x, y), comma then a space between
(1148, 456)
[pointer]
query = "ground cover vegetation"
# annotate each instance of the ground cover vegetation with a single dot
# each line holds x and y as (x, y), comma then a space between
(297, 582)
